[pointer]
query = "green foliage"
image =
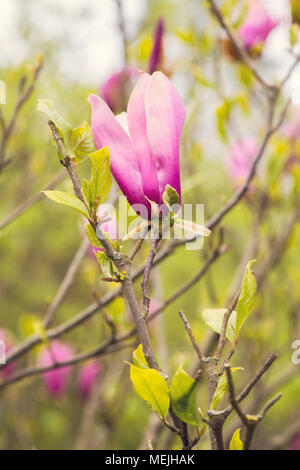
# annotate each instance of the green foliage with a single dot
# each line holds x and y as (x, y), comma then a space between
(222, 388)
(92, 236)
(48, 107)
(151, 387)
(96, 190)
(213, 317)
(223, 115)
(246, 298)
(183, 397)
(107, 266)
(236, 443)
(82, 141)
(68, 200)
(139, 359)
(170, 196)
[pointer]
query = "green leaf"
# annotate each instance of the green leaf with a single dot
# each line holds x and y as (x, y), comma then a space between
(236, 443)
(139, 359)
(47, 107)
(213, 317)
(101, 178)
(222, 387)
(170, 197)
(82, 141)
(92, 236)
(223, 115)
(85, 188)
(183, 397)
(105, 263)
(152, 388)
(68, 200)
(246, 298)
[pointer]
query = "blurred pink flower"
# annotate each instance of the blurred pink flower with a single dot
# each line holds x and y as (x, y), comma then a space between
(292, 129)
(87, 377)
(156, 56)
(56, 380)
(146, 158)
(257, 26)
(295, 443)
(5, 336)
(242, 154)
(116, 89)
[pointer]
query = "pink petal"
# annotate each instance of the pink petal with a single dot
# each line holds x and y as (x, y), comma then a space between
(165, 114)
(107, 132)
(136, 115)
(56, 380)
(257, 25)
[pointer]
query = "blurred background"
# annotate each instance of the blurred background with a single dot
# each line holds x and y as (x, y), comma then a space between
(83, 44)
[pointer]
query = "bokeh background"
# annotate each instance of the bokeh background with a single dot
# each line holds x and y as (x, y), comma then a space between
(82, 44)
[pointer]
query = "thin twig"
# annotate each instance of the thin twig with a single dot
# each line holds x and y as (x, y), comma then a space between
(145, 282)
(8, 129)
(32, 200)
(66, 282)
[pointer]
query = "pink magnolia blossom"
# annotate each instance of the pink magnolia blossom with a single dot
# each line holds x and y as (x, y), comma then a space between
(156, 56)
(257, 26)
(145, 158)
(115, 90)
(56, 380)
(7, 370)
(242, 154)
(87, 377)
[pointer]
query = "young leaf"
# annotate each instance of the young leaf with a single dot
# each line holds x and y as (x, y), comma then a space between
(213, 317)
(68, 200)
(101, 178)
(47, 107)
(152, 388)
(105, 263)
(246, 298)
(222, 388)
(82, 141)
(183, 397)
(223, 115)
(139, 359)
(236, 443)
(170, 197)
(92, 236)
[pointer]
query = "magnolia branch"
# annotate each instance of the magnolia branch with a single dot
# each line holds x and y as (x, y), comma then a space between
(9, 128)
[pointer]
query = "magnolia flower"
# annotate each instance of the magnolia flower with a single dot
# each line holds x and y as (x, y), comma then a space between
(156, 56)
(5, 337)
(115, 90)
(257, 26)
(56, 380)
(144, 153)
(242, 154)
(87, 377)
